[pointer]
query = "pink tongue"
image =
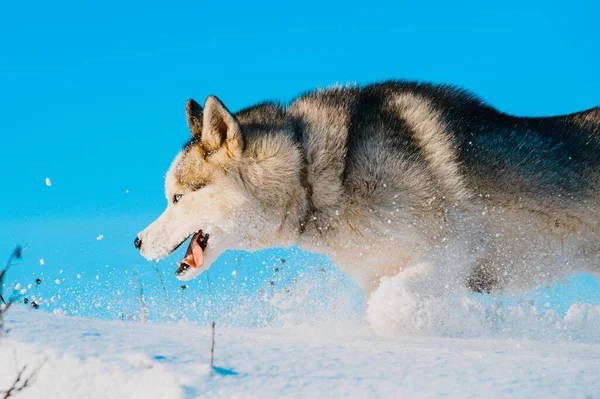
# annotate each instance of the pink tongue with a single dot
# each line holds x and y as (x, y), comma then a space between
(194, 255)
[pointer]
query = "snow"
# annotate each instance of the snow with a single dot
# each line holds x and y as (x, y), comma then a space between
(290, 324)
(106, 358)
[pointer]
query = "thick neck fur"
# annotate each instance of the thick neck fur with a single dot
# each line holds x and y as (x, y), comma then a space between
(271, 168)
(296, 155)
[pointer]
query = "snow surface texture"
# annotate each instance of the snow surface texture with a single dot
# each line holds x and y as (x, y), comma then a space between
(112, 359)
(290, 324)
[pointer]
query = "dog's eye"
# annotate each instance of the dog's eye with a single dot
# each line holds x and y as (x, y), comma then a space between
(176, 198)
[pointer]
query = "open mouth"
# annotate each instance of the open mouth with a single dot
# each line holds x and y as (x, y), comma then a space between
(194, 256)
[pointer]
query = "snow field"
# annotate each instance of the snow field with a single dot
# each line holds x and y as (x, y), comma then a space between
(99, 359)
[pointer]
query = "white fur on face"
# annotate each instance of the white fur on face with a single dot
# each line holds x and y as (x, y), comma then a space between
(208, 209)
(223, 209)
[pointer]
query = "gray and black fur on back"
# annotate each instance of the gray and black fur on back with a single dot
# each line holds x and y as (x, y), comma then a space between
(488, 144)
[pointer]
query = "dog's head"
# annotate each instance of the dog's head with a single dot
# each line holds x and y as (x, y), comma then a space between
(221, 193)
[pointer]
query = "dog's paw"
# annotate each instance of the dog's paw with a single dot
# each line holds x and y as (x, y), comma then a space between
(395, 309)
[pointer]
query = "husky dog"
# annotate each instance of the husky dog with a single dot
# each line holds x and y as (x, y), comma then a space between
(396, 177)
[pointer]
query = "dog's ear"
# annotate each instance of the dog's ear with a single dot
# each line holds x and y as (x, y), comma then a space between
(220, 128)
(193, 111)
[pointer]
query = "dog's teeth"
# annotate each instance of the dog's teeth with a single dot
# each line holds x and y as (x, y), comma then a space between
(182, 268)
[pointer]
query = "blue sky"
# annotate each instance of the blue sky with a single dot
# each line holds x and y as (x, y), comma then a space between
(92, 94)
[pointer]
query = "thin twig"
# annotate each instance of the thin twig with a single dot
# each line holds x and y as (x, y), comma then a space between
(162, 283)
(12, 259)
(183, 288)
(27, 382)
(212, 346)
(210, 293)
(143, 307)
(19, 384)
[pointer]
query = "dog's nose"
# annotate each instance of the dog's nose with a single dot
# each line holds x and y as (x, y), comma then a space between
(137, 242)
